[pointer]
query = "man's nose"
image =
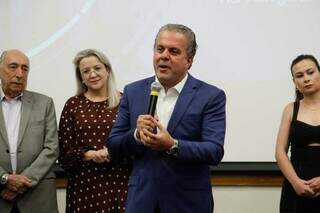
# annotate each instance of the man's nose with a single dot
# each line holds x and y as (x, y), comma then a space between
(165, 54)
(19, 72)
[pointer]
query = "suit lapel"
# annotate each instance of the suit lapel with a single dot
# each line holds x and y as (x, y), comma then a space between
(3, 130)
(25, 114)
(183, 102)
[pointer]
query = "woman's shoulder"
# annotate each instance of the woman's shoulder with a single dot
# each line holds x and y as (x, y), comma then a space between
(289, 106)
(74, 100)
(288, 110)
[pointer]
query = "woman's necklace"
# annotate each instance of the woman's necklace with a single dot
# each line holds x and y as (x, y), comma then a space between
(311, 108)
(95, 98)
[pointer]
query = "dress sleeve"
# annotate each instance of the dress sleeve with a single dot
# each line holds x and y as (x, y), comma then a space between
(71, 151)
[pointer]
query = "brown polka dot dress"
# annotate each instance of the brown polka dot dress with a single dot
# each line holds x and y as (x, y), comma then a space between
(92, 187)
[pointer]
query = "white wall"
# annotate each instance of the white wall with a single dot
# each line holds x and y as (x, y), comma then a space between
(230, 199)
(246, 199)
(61, 196)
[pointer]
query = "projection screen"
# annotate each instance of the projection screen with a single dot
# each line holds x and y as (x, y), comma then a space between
(245, 48)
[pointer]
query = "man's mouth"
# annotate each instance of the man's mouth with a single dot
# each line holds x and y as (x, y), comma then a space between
(16, 83)
(163, 66)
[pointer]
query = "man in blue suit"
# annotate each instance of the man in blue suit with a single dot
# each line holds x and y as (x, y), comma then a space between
(171, 164)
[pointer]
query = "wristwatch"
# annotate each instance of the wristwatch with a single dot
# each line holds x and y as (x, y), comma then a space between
(4, 179)
(174, 148)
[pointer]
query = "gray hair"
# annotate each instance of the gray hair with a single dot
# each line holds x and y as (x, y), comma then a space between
(3, 56)
(113, 93)
(179, 28)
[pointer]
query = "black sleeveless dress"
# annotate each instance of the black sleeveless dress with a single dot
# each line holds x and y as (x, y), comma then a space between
(306, 162)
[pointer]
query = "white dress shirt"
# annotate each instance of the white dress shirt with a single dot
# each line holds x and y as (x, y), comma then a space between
(167, 101)
(12, 115)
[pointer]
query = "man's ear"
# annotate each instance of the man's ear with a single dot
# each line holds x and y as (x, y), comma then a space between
(189, 62)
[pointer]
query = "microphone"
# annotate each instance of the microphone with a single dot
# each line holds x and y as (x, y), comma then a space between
(155, 89)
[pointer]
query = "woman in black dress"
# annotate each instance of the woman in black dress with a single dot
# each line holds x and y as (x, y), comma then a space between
(300, 130)
(95, 184)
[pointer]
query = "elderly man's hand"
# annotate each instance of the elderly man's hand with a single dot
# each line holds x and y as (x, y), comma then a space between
(7, 194)
(18, 183)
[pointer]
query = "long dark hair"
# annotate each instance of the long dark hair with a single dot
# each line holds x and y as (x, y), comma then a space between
(298, 59)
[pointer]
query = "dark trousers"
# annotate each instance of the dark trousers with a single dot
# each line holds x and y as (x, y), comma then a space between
(15, 208)
(157, 210)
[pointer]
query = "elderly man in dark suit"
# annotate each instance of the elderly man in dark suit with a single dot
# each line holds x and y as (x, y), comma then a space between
(28, 141)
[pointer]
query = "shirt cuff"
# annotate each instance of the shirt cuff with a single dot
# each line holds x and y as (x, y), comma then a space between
(136, 137)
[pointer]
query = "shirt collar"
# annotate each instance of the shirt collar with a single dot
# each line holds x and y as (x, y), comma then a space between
(3, 97)
(1, 94)
(179, 86)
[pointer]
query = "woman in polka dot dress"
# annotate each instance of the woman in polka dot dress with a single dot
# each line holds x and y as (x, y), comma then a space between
(95, 184)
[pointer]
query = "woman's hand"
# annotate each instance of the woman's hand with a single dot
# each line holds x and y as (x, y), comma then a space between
(302, 188)
(97, 156)
(314, 184)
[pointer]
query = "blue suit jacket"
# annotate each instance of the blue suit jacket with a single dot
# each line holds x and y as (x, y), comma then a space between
(175, 183)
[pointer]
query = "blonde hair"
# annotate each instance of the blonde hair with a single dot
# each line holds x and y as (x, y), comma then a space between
(113, 94)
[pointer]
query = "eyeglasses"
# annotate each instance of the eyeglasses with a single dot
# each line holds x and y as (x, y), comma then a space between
(95, 70)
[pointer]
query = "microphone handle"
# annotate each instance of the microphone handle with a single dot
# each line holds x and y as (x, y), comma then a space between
(152, 105)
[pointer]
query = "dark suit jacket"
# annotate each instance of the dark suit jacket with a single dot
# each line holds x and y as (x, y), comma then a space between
(175, 183)
(37, 152)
